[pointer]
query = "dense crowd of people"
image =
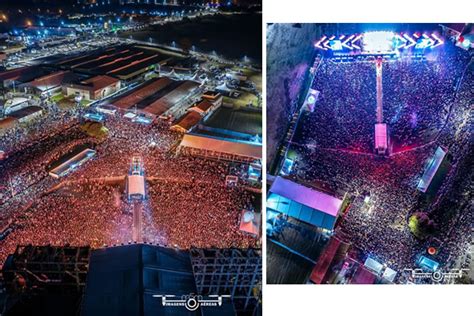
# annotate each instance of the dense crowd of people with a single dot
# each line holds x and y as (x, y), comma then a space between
(426, 104)
(346, 104)
(34, 131)
(418, 94)
(28, 166)
(187, 205)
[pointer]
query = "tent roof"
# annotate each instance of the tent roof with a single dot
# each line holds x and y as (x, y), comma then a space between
(309, 197)
(24, 112)
(251, 227)
(220, 145)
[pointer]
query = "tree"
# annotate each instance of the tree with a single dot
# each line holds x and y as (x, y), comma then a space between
(95, 129)
(464, 279)
(421, 225)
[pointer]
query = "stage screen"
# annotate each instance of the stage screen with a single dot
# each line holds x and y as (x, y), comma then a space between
(381, 41)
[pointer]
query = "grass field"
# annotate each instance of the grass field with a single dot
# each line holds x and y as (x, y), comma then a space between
(64, 102)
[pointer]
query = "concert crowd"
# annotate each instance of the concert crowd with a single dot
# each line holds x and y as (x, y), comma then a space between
(426, 103)
(187, 205)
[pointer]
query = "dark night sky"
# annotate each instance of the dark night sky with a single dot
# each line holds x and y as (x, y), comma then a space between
(7, 4)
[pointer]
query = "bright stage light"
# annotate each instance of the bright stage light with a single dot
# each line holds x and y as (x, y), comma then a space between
(311, 99)
(423, 43)
(381, 41)
(335, 44)
(399, 41)
(439, 40)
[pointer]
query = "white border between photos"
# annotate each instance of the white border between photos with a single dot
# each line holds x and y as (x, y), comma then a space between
(296, 300)
(368, 11)
(264, 154)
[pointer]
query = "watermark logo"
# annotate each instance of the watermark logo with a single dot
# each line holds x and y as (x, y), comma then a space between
(191, 302)
(436, 276)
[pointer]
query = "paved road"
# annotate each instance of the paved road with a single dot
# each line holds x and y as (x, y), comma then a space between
(137, 222)
(379, 93)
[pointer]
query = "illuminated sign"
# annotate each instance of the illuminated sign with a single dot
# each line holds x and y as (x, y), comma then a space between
(311, 99)
(379, 42)
(335, 44)
(287, 166)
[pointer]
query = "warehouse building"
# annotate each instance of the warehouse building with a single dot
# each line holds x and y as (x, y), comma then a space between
(94, 88)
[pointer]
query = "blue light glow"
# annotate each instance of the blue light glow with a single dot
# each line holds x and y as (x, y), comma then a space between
(428, 264)
(287, 166)
(335, 45)
(380, 41)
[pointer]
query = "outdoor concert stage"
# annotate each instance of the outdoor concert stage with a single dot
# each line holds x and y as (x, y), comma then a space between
(299, 220)
(336, 266)
(126, 280)
(378, 43)
(293, 248)
(136, 180)
(382, 108)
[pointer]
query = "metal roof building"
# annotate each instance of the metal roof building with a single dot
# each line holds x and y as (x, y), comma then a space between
(303, 203)
(220, 149)
(187, 122)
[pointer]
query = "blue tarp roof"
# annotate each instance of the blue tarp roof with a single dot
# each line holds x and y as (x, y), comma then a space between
(299, 211)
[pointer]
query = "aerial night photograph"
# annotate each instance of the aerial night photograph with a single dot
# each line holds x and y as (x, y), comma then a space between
(131, 157)
(369, 153)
